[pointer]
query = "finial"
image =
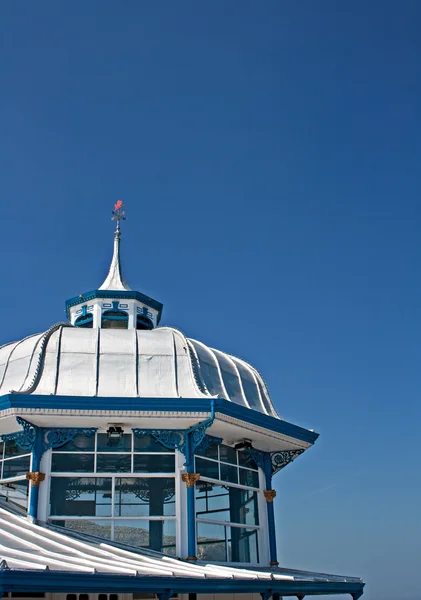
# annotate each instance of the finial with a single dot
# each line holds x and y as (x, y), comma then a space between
(118, 214)
(115, 279)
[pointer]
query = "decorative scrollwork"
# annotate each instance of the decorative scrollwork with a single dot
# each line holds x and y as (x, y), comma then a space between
(24, 439)
(281, 459)
(55, 438)
(173, 439)
(208, 441)
(272, 462)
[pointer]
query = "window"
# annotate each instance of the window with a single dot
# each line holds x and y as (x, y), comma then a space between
(227, 514)
(85, 321)
(120, 489)
(115, 319)
(14, 465)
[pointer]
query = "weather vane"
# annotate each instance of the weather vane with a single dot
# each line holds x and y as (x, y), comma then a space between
(118, 214)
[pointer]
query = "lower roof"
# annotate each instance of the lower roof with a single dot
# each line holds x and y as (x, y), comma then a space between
(70, 562)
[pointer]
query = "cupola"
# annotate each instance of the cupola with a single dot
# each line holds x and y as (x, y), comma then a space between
(114, 305)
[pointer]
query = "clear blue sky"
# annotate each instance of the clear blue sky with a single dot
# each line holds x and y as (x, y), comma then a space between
(269, 157)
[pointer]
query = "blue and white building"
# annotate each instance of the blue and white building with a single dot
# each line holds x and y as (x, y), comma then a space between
(137, 463)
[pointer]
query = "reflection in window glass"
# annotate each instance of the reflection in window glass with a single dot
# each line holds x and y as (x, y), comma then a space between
(113, 463)
(229, 473)
(211, 542)
(17, 466)
(81, 497)
(207, 468)
(80, 443)
(88, 526)
(144, 497)
(73, 463)
(121, 444)
(226, 503)
(12, 449)
(228, 454)
(249, 478)
(144, 463)
(16, 493)
(155, 535)
(242, 545)
(147, 443)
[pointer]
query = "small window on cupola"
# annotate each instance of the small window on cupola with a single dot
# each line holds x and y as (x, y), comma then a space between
(85, 319)
(115, 319)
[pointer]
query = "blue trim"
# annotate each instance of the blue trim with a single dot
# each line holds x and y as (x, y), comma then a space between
(37, 452)
(109, 294)
(160, 404)
(68, 582)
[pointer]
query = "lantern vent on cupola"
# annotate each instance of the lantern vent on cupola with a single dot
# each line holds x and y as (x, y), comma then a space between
(114, 305)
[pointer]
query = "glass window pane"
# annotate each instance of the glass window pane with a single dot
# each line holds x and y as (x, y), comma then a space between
(144, 497)
(147, 443)
(243, 506)
(16, 493)
(106, 444)
(245, 460)
(209, 452)
(1, 449)
(207, 468)
(155, 535)
(75, 463)
(242, 545)
(228, 454)
(16, 466)
(211, 542)
(81, 496)
(80, 443)
(149, 463)
(113, 463)
(249, 478)
(91, 527)
(229, 473)
(212, 501)
(12, 449)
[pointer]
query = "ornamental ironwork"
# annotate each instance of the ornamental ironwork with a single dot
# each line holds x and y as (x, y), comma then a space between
(173, 439)
(281, 459)
(272, 462)
(55, 438)
(208, 441)
(24, 439)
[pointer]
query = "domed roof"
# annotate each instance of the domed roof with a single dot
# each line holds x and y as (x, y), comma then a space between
(159, 363)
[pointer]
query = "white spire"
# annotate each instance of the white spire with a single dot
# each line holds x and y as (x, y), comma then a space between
(115, 279)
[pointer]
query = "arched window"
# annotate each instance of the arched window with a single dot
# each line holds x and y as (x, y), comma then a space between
(143, 322)
(85, 320)
(115, 319)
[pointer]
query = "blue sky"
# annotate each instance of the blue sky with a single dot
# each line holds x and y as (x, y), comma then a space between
(269, 158)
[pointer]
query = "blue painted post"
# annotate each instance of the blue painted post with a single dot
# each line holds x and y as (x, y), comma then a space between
(270, 495)
(35, 476)
(190, 479)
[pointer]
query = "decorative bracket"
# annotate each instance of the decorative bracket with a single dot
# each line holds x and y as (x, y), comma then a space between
(269, 495)
(190, 478)
(282, 458)
(272, 462)
(43, 438)
(24, 439)
(173, 439)
(208, 441)
(55, 438)
(35, 477)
